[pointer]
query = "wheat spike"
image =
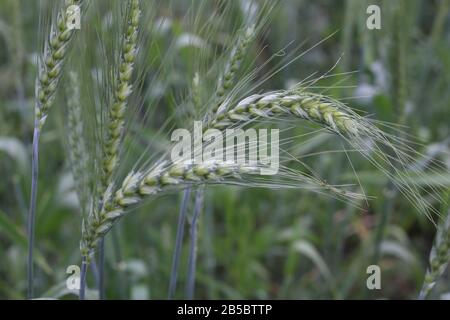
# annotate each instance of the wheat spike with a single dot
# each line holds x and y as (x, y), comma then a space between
(78, 153)
(439, 258)
(53, 61)
(138, 185)
(123, 89)
(303, 105)
(227, 80)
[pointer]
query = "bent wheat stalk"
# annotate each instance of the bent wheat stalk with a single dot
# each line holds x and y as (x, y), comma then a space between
(138, 185)
(47, 82)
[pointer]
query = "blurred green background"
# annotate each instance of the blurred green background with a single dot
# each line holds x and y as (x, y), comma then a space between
(253, 243)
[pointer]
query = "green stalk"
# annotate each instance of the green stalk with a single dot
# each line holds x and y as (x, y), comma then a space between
(32, 210)
(190, 287)
(399, 99)
(84, 264)
(101, 271)
(178, 243)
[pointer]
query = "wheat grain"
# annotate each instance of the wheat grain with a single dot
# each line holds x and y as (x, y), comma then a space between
(123, 89)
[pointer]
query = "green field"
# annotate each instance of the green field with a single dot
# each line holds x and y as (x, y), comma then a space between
(113, 92)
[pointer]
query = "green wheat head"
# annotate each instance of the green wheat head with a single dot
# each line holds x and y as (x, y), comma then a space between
(52, 62)
(122, 90)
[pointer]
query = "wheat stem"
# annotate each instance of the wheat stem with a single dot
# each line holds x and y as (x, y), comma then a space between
(32, 211)
(178, 243)
(84, 263)
(94, 268)
(192, 261)
(101, 273)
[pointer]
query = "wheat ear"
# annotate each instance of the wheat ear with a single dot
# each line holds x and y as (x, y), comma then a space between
(53, 60)
(138, 185)
(439, 258)
(308, 106)
(123, 89)
(76, 142)
(227, 80)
